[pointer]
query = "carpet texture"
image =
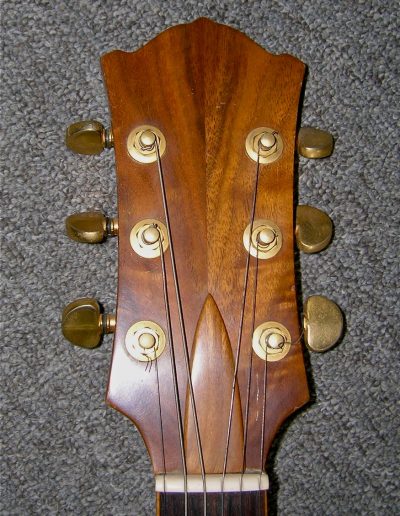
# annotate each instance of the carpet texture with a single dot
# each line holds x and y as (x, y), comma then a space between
(64, 452)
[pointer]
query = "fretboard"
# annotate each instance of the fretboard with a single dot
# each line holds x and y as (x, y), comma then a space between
(252, 503)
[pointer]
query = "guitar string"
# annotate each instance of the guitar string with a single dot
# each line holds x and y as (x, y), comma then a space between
(244, 295)
(263, 425)
(262, 463)
(161, 423)
(237, 354)
(182, 326)
(250, 369)
(174, 373)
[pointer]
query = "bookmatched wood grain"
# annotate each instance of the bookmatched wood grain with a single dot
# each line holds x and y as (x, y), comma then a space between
(205, 86)
(211, 355)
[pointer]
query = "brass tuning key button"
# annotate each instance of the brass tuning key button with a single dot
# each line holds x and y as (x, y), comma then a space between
(90, 227)
(314, 143)
(323, 323)
(83, 323)
(314, 229)
(88, 137)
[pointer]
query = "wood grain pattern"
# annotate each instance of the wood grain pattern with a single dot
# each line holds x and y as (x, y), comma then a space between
(205, 86)
(212, 370)
(247, 504)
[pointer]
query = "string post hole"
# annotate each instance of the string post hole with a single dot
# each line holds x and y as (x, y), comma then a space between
(151, 235)
(267, 141)
(266, 236)
(145, 341)
(275, 341)
(264, 145)
(145, 238)
(265, 241)
(271, 341)
(147, 140)
(142, 144)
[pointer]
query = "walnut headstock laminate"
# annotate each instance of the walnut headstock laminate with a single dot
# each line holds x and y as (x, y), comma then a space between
(206, 401)
(205, 86)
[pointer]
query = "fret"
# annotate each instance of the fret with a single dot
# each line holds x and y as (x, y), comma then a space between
(245, 503)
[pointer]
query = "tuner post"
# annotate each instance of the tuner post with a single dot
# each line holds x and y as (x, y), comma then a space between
(141, 144)
(271, 341)
(264, 145)
(147, 140)
(148, 237)
(145, 341)
(265, 241)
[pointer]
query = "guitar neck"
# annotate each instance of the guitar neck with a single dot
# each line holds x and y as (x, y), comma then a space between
(252, 502)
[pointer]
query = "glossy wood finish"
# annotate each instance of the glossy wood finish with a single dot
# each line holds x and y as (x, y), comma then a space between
(211, 355)
(246, 504)
(205, 86)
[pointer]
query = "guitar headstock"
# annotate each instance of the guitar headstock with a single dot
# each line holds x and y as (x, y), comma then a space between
(207, 358)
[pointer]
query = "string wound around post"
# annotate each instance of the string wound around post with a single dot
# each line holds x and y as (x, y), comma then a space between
(265, 241)
(264, 145)
(142, 142)
(145, 238)
(271, 341)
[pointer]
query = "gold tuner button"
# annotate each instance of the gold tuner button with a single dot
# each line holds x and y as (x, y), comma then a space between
(314, 143)
(88, 137)
(90, 227)
(314, 229)
(323, 323)
(83, 323)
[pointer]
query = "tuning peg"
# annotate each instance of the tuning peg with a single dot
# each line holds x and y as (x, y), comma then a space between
(84, 324)
(314, 143)
(314, 229)
(88, 137)
(323, 323)
(90, 227)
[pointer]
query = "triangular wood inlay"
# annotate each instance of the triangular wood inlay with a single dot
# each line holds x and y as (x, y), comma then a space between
(212, 366)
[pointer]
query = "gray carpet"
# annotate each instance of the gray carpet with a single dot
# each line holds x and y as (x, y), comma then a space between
(64, 452)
